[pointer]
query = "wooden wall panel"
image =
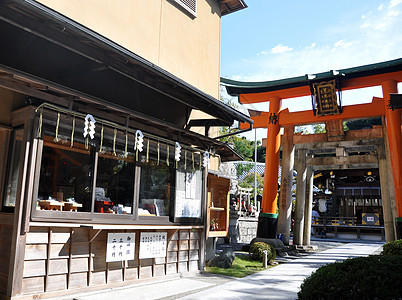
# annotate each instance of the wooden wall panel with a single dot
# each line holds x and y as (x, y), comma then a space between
(98, 278)
(5, 249)
(58, 266)
(131, 274)
(37, 235)
(79, 265)
(35, 252)
(78, 280)
(34, 268)
(33, 285)
(171, 268)
(61, 258)
(115, 275)
(56, 283)
(183, 267)
(193, 265)
(173, 246)
(58, 251)
(159, 270)
(146, 272)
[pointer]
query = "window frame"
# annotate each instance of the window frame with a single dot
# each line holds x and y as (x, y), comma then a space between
(9, 164)
(100, 218)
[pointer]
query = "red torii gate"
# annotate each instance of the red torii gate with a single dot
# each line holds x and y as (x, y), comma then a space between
(387, 74)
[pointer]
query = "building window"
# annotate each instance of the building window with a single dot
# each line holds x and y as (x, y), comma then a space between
(14, 169)
(65, 177)
(189, 5)
(106, 176)
(114, 192)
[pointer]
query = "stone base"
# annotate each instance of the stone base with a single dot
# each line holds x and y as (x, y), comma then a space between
(267, 225)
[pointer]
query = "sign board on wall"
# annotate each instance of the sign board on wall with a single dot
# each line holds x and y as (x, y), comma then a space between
(153, 244)
(188, 194)
(120, 246)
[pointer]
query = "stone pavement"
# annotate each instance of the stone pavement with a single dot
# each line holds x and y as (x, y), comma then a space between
(280, 282)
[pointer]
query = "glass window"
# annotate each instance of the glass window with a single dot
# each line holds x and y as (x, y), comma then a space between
(66, 177)
(114, 192)
(167, 187)
(156, 188)
(14, 169)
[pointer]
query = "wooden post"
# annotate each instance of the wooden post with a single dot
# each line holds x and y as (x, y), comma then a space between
(300, 197)
(393, 119)
(267, 220)
(285, 196)
(308, 206)
(385, 194)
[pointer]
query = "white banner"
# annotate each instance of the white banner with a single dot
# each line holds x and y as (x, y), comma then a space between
(153, 244)
(120, 246)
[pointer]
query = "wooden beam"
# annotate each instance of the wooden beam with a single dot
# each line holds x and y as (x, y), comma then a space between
(346, 84)
(343, 160)
(374, 109)
(23, 89)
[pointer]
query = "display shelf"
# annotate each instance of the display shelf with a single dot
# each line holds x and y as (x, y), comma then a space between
(218, 204)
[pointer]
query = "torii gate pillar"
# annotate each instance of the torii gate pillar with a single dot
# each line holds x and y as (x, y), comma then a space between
(393, 118)
(268, 219)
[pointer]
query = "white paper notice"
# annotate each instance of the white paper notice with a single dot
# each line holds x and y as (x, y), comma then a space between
(153, 244)
(120, 246)
(191, 185)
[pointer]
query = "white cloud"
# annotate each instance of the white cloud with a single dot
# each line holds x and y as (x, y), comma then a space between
(262, 53)
(393, 13)
(280, 49)
(343, 44)
(353, 44)
(394, 3)
(381, 7)
(311, 46)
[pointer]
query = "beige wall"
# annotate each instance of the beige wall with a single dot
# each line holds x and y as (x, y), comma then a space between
(159, 31)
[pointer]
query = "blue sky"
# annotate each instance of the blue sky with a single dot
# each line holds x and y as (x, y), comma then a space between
(281, 39)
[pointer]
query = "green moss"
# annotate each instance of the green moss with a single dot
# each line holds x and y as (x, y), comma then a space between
(242, 266)
(257, 251)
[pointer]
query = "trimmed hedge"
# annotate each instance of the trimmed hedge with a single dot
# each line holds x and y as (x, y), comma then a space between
(257, 251)
(372, 277)
(392, 248)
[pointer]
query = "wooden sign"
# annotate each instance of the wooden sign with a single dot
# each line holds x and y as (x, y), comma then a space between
(325, 98)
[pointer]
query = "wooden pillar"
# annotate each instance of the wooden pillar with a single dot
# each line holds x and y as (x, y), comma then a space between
(300, 197)
(393, 120)
(308, 206)
(268, 219)
(285, 196)
(385, 194)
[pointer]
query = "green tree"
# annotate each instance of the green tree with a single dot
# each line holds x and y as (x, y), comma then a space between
(363, 124)
(319, 128)
(301, 129)
(248, 182)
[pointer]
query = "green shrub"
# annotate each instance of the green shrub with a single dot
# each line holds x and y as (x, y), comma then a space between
(257, 251)
(373, 277)
(392, 248)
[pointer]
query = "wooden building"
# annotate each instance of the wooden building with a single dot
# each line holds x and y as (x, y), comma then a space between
(108, 122)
